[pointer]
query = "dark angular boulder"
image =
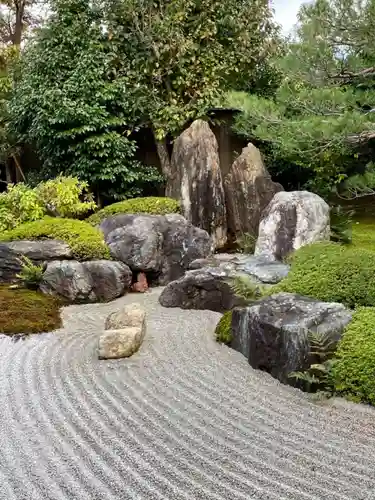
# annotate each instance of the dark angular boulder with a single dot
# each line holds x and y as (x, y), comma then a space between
(197, 181)
(38, 251)
(43, 250)
(248, 190)
(163, 245)
(10, 265)
(206, 288)
(208, 283)
(91, 281)
(273, 332)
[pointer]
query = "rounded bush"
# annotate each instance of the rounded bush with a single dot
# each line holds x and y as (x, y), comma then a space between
(26, 311)
(150, 205)
(223, 329)
(354, 370)
(333, 273)
(85, 241)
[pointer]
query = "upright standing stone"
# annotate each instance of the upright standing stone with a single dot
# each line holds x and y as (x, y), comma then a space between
(197, 181)
(248, 190)
(290, 221)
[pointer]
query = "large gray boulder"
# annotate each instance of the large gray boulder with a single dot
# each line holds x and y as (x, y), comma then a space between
(43, 250)
(290, 221)
(208, 284)
(248, 190)
(273, 332)
(10, 265)
(91, 281)
(161, 245)
(38, 251)
(197, 180)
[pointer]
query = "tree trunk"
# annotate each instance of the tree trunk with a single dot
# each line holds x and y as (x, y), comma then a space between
(18, 28)
(165, 163)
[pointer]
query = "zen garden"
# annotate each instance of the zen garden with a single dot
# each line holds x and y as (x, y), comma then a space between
(187, 250)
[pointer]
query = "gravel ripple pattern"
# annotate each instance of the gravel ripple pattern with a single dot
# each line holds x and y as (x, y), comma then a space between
(185, 418)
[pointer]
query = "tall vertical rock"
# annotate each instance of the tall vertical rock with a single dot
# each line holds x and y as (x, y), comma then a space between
(248, 190)
(197, 181)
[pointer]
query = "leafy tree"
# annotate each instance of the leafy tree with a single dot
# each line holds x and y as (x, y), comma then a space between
(179, 57)
(321, 116)
(71, 104)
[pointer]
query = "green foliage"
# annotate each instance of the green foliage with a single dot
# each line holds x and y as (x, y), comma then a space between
(314, 128)
(318, 377)
(19, 204)
(245, 288)
(72, 104)
(150, 205)
(246, 243)
(354, 372)
(341, 222)
(332, 272)
(65, 196)
(31, 274)
(26, 311)
(223, 331)
(180, 56)
(85, 241)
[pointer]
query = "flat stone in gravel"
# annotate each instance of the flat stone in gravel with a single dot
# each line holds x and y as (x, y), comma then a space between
(208, 284)
(124, 332)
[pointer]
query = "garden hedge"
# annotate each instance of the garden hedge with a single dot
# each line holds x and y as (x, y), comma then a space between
(25, 311)
(223, 329)
(333, 273)
(85, 241)
(150, 205)
(354, 371)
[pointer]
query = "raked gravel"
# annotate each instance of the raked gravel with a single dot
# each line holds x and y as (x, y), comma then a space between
(185, 418)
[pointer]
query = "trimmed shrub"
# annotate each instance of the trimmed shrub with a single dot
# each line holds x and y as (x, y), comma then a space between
(150, 205)
(223, 329)
(85, 241)
(354, 370)
(333, 273)
(26, 311)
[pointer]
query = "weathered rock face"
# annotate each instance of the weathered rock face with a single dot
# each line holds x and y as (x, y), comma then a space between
(198, 182)
(162, 245)
(9, 264)
(207, 286)
(37, 251)
(92, 281)
(273, 332)
(124, 333)
(41, 250)
(290, 221)
(248, 190)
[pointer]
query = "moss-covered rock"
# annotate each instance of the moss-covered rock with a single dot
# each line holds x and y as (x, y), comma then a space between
(332, 273)
(150, 205)
(85, 241)
(354, 371)
(26, 311)
(223, 329)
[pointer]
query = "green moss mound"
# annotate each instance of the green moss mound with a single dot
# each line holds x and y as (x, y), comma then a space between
(150, 205)
(85, 241)
(333, 273)
(25, 311)
(223, 329)
(354, 371)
